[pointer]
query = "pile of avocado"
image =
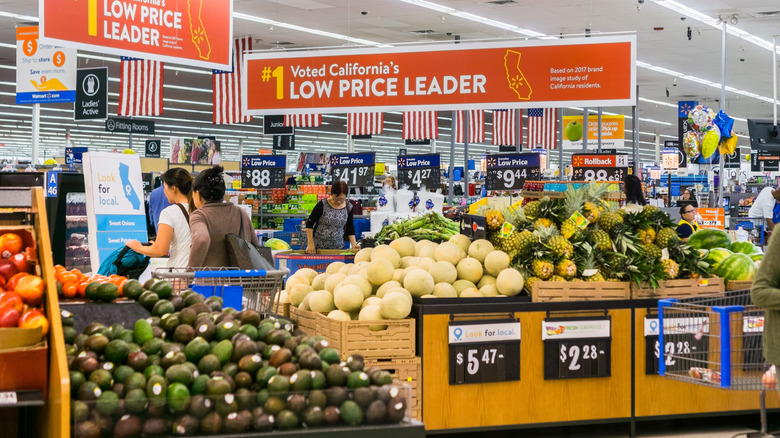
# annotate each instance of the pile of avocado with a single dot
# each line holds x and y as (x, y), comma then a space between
(201, 370)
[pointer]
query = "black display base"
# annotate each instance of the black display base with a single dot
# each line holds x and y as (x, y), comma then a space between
(125, 312)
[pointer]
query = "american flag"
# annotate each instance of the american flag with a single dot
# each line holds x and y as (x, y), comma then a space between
(140, 87)
(542, 123)
(476, 126)
(420, 125)
(226, 88)
(303, 120)
(365, 123)
(505, 127)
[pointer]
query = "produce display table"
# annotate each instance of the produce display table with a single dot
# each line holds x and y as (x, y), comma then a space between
(413, 429)
(625, 395)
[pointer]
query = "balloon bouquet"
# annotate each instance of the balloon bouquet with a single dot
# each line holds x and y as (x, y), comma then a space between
(708, 139)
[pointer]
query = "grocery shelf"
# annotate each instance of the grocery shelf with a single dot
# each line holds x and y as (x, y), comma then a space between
(21, 398)
(412, 429)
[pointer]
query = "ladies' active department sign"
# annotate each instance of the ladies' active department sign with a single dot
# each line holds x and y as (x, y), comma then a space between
(516, 74)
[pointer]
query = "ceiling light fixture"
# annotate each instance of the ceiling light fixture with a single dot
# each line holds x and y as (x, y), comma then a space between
(272, 23)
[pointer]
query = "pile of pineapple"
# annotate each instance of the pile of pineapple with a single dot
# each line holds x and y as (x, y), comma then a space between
(633, 244)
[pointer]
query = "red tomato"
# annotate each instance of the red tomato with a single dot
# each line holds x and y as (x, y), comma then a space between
(2, 282)
(12, 299)
(7, 269)
(69, 290)
(10, 244)
(34, 318)
(11, 283)
(9, 317)
(30, 288)
(22, 263)
(67, 277)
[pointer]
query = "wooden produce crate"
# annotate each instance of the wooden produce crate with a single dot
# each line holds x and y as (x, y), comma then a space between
(680, 288)
(738, 284)
(544, 291)
(305, 319)
(408, 371)
(356, 337)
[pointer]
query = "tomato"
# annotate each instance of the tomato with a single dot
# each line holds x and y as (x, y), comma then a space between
(22, 263)
(9, 317)
(121, 285)
(67, 277)
(2, 282)
(12, 299)
(30, 288)
(82, 288)
(10, 244)
(70, 290)
(7, 269)
(58, 269)
(11, 283)
(34, 318)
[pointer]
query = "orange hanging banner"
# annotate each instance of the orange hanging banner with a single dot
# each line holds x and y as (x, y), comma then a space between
(711, 218)
(516, 74)
(193, 32)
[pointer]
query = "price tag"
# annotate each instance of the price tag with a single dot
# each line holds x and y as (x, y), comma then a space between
(484, 351)
(417, 171)
(575, 349)
(357, 170)
(8, 398)
(52, 183)
(682, 337)
(263, 171)
(599, 167)
(752, 333)
(510, 171)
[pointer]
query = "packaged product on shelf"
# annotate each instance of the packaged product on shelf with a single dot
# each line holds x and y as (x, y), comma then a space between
(405, 201)
(430, 201)
(386, 201)
(378, 220)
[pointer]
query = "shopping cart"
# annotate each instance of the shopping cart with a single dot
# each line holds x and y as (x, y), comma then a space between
(240, 289)
(716, 341)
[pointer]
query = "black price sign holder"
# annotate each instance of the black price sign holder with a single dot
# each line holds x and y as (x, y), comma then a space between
(577, 347)
(263, 171)
(599, 167)
(416, 171)
(688, 337)
(510, 171)
(484, 351)
(357, 170)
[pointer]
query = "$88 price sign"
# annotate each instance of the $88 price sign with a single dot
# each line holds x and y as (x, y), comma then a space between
(263, 172)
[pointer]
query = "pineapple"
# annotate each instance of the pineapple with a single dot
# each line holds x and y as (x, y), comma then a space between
(602, 240)
(664, 236)
(543, 222)
(529, 282)
(646, 235)
(671, 268)
(531, 210)
(609, 220)
(525, 239)
(566, 269)
(561, 247)
(494, 219)
(652, 251)
(598, 276)
(591, 211)
(569, 228)
(557, 278)
(648, 210)
(543, 269)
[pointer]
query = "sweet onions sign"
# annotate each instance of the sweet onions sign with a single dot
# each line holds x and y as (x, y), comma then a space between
(527, 74)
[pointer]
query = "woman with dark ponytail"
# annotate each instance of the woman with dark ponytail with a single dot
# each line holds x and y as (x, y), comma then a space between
(213, 219)
(173, 233)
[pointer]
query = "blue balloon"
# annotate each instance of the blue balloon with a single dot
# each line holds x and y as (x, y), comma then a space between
(724, 122)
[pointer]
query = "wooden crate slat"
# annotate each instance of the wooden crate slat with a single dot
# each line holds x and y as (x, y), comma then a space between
(356, 337)
(407, 370)
(543, 291)
(680, 288)
(739, 284)
(305, 319)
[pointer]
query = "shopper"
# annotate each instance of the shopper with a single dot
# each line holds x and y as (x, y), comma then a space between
(687, 224)
(390, 183)
(767, 207)
(213, 219)
(330, 223)
(687, 195)
(157, 203)
(766, 293)
(173, 233)
(635, 197)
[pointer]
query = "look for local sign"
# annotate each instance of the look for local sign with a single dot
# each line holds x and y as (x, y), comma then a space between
(192, 32)
(587, 71)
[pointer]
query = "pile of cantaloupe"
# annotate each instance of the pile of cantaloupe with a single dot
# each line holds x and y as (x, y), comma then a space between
(381, 282)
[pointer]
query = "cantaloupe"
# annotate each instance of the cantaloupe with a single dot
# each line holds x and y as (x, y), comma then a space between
(425, 263)
(345, 269)
(443, 272)
(409, 261)
(380, 271)
(462, 241)
(319, 281)
(395, 306)
(419, 244)
(333, 281)
(364, 255)
(496, 262)
(449, 252)
(386, 287)
(418, 282)
(371, 301)
(486, 279)
(305, 303)
(479, 249)
(359, 281)
(334, 267)
(294, 280)
(403, 246)
(470, 269)
(461, 285)
(307, 273)
(339, 315)
(321, 301)
(428, 251)
(398, 275)
(298, 293)
(372, 312)
(402, 291)
(282, 297)
(444, 290)
(429, 296)
(489, 290)
(348, 297)
(509, 282)
(386, 253)
(470, 293)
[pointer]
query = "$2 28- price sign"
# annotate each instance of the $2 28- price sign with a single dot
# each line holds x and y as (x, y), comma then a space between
(263, 171)
(416, 171)
(575, 349)
(680, 341)
(484, 351)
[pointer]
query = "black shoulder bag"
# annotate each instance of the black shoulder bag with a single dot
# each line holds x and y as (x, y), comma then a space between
(242, 253)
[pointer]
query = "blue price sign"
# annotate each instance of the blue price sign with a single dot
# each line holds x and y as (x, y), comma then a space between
(263, 171)
(52, 183)
(416, 171)
(510, 171)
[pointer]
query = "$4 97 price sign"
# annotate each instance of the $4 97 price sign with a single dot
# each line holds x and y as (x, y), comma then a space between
(484, 351)
(575, 349)
(263, 171)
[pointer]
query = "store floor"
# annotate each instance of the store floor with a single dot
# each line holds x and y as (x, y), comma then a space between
(716, 427)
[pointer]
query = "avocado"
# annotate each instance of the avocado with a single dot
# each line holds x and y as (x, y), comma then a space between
(142, 332)
(313, 416)
(132, 289)
(70, 334)
(104, 423)
(211, 424)
(156, 391)
(376, 412)
(138, 360)
(358, 379)
(336, 395)
(177, 301)
(296, 403)
(223, 350)
(278, 384)
(332, 416)
(277, 337)
(206, 330)
(116, 351)
(162, 307)
(380, 378)
(156, 426)
(163, 289)
(102, 378)
(136, 401)
(200, 405)
(273, 405)
(226, 377)
(243, 379)
(336, 375)
(215, 303)
(248, 330)
(243, 348)
(269, 350)
(290, 344)
(80, 340)
(226, 404)
(120, 373)
(173, 358)
(309, 360)
(199, 384)
(152, 346)
(188, 316)
(262, 422)
(246, 399)
(186, 425)
(76, 379)
(96, 343)
(318, 398)
(90, 292)
(208, 363)
(224, 316)
(78, 411)
(318, 380)
(279, 357)
(135, 381)
(89, 391)
(157, 410)
(396, 409)
(67, 318)
(262, 396)
(363, 396)
(196, 348)
(184, 334)
(264, 374)
(178, 397)
(286, 420)
(86, 429)
(86, 364)
(193, 299)
(300, 381)
(106, 292)
(320, 344)
(264, 329)
(107, 404)
(154, 370)
(227, 329)
(351, 413)
(148, 283)
(330, 355)
(217, 386)
(158, 332)
(355, 362)
(178, 374)
(171, 346)
(250, 363)
(250, 317)
(148, 299)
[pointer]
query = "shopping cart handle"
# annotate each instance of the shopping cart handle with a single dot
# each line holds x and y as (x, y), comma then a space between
(241, 273)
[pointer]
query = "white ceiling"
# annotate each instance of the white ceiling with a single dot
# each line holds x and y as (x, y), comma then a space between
(188, 112)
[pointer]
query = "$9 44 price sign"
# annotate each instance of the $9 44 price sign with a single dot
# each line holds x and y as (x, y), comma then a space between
(416, 171)
(484, 351)
(510, 171)
(575, 349)
(357, 170)
(263, 171)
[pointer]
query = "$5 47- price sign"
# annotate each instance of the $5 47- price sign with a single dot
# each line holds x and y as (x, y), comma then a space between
(484, 351)
(263, 171)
